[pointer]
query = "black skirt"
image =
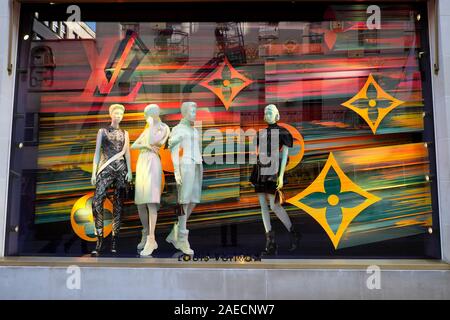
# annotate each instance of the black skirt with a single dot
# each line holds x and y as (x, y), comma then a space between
(268, 183)
(264, 183)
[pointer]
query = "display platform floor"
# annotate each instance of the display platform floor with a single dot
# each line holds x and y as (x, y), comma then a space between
(169, 278)
(236, 262)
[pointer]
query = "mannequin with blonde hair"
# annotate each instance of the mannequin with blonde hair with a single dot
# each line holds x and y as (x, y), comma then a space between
(111, 168)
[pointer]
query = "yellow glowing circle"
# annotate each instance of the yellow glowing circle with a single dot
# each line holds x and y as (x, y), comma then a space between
(333, 200)
(372, 103)
(82, 203)
(226, 83)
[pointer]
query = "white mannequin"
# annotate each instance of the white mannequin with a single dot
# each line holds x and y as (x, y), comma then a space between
(188, 173)
(149, 175)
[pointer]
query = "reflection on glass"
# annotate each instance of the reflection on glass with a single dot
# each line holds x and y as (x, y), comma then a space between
(341, 88)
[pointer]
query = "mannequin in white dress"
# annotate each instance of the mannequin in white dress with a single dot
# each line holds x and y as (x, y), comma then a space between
(149, 175)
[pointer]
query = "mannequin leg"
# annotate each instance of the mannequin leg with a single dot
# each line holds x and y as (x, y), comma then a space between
(189, 209)
(182, 220)
(143, 216)
(271, 246)
(117, 212)
(103, 183)
(97, 210)
(152, 217)
(265, 211)
(182, 239)
(280, 212)
(294, 235)
(150, 244)
(120, 184)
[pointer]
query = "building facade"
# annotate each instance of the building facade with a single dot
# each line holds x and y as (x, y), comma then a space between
(362, 93)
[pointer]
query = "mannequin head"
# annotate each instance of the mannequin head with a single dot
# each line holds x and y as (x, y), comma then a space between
(189, 110)
(271, 114)
(116, 112)
(152, 110)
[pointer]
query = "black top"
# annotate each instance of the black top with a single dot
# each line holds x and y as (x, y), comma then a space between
(113, 141)
(284, 139)
(263, 182)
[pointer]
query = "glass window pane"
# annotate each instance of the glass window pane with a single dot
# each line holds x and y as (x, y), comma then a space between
(349, 103)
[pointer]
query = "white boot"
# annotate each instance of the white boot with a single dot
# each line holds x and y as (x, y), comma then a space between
(150, 246)
(141, 244)
(173, 235)
(183, 243)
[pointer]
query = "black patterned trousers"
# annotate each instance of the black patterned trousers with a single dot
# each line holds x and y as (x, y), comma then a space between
(114, 178)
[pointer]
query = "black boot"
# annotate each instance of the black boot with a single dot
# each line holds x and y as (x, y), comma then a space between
(295, 237)
(114, 241)
(271, 246)
(98, 247)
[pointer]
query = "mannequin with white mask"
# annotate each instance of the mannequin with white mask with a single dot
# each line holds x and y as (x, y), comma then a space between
(188, 170)
(149, 176)
(268, 176)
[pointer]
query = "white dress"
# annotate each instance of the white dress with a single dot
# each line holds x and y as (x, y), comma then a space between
(148, 168)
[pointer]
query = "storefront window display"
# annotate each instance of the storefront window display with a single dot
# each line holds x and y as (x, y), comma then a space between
(152, 138)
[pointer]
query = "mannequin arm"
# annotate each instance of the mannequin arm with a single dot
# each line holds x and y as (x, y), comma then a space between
(163, 139)
(159, 143)
(138, 143)
(128, 157)
(98, 144)
(284, 157)
(174, 146)
(166, 136)
(175, 153)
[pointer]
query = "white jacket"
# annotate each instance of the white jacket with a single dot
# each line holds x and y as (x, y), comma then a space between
(184, 136)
